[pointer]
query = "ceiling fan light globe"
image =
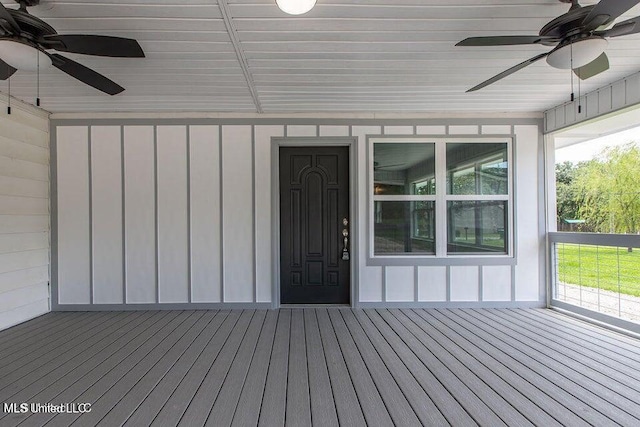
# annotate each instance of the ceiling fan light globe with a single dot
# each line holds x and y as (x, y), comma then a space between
(296, 7)
(22, 56)
(577, 54)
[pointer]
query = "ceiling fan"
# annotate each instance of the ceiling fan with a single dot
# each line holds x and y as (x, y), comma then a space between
(579, 37)
(25, 41)
(378, 167)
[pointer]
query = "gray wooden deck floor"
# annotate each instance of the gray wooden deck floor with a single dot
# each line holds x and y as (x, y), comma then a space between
(324, 367)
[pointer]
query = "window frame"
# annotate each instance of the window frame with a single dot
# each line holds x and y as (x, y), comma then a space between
(441, 199)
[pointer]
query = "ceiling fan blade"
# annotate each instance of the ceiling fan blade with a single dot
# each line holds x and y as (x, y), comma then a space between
(86, 44)
(606, 12)
(384, 167)
(6, 70)
(6, 15)
(505, 40)
(511, 70)
(630, 26)
(85, 75)
(597, 66)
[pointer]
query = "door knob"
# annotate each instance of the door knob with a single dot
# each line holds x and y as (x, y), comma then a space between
(345, 247)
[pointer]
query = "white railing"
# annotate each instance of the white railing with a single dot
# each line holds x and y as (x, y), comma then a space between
(597, 275)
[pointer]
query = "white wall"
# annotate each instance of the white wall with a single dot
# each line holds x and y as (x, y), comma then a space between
(182, 214)
(24, 214)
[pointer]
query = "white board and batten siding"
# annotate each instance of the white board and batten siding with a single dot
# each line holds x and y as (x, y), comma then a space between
(154, 213)
(24, 214)
(616, 97)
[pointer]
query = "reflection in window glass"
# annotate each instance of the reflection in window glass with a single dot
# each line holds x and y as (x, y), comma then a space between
(398, 166)
(477, 227)
(477, 168)
(404, 227)
(425, 187)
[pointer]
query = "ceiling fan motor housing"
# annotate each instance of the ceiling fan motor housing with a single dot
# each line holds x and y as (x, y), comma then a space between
(32, 28)
(577, 53)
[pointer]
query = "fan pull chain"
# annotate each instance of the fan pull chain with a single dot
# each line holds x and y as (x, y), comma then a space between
(38, 80)
(9, 95)
(571, 71)
(579, 105)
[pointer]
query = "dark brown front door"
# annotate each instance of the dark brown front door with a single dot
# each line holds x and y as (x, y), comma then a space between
(314, 208)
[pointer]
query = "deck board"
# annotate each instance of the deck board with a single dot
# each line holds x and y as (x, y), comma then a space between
(106, 391)
(225, 404)
(618, 350)
(44, 364)
(298, 410)
(323, 409)
(26, 330)
(200, 406)
(46, 341)
(52, 375)
(345, 398)
(172, 411)
(114, 410)
(322, 367)
(189, 343)
(609, 367)
(614, 404)
(158, 396)
(94, 366)
(371, 402)
(447, 405)
(537, 406)
(248, 406)
(274, 400)
(577, 395)
(459, 384)
(419, 405)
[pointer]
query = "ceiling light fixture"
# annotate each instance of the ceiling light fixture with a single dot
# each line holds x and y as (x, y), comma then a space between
(21, 56)
(295, 7)
(578, 53)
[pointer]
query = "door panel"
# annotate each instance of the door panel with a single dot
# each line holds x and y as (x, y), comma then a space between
(314, 200)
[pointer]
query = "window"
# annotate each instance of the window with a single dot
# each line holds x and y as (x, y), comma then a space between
(477, 170)
(404, 198)
(440, 197)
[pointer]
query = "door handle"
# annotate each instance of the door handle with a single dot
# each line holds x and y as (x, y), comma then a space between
(345, 241)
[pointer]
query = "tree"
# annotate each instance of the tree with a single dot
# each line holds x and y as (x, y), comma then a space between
(567, 201)
(608, 190)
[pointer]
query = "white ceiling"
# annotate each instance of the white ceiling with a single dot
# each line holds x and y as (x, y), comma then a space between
(345, 55)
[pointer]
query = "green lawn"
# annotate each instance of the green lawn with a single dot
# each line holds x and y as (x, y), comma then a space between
(613, 269)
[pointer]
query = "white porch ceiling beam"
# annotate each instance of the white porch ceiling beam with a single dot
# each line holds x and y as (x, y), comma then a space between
(242, 59)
